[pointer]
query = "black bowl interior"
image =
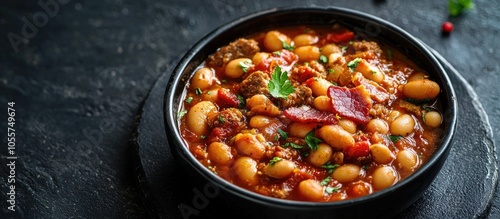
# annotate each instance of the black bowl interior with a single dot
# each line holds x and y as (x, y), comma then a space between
(365, 26)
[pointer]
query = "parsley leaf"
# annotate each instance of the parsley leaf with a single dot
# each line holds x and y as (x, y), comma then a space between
(244, 66)
(389, 54)
(457, 7)
(279, 85)
(417, 101)
(182, 113)
(325, 181)
(287, 46)
(189, 99)
(323, 58)
(275, 160)
(353, 64)
(330, 167)
(312, 141)
(293, 145)
(241, 101)
(394, 138)
(283, 135)
(198, 91)
(331, 189)
(221, 119)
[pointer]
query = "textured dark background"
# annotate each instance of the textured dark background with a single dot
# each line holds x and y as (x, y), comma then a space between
(79, 81)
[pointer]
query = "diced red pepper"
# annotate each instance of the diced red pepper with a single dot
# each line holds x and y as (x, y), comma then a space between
(338, 37)
(225, 98)
(359, 149)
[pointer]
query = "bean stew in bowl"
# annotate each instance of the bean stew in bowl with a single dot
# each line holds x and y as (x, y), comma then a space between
(312, 109)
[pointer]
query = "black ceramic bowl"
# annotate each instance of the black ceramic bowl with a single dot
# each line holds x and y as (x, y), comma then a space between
(382, 204)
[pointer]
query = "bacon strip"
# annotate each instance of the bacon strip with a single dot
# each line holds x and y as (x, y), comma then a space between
(377, 92)
(351, 103)
(306, 114)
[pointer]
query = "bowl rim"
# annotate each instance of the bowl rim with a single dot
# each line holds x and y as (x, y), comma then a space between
(176, 78)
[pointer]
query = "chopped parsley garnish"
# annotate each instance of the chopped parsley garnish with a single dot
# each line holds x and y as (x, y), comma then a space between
(287, 46)
(221, 119)
(330, 167)
(351, 42)
(389, 54)
(182, 113)
(203, 137)
(457, 7)
(224, 81)
(331, 189)
(394, 138)
(366, 167)
(279, 85)
(277, 53)
(244, 66)
(344, 48)
(325, 181)
(427, 108)
(331, 71)
(353, 64)
(417, 101)
(283, 135)
(198, 91)
(323, 58)
(241, 101)
(189, 99)
(293, 145)
(373, 72)
(275, 160)
(312, 141)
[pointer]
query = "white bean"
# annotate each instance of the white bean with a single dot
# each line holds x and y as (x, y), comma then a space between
(384, 177)
(433, 119)
(346, 173)
(403, 125)
(407, 160)
(196, 118)
(336, 136)
(246, 170)
(300, 130)
(311, 189)
(234, 69)
(280, 169)
(250, 145)
(202, 79)
(381, 154)
(322, 155)
(377, 125)
(273, 41)
(219, 153)
(421, 89)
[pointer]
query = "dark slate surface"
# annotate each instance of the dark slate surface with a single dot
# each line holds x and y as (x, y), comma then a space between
(79, 81)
